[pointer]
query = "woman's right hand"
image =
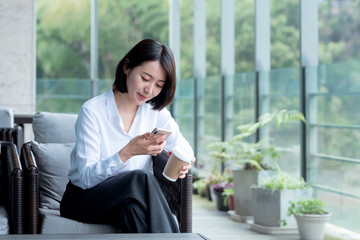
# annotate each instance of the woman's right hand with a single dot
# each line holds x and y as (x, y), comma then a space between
(145, 144)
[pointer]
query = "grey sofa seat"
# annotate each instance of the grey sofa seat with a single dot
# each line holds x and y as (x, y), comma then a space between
(51, 220)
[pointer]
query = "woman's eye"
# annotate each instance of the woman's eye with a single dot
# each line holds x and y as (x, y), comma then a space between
(159, 86)
(144, 79)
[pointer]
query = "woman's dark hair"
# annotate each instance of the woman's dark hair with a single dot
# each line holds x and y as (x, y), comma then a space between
(150, 50)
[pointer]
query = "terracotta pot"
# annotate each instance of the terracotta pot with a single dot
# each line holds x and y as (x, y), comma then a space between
(231, 202)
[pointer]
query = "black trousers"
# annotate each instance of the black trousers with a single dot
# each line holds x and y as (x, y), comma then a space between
(132, 201)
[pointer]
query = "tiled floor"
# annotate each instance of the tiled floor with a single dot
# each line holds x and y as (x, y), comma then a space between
(217, 225)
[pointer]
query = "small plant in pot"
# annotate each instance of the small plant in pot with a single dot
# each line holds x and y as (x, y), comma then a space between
(219, 189)
(228, 195)
(214, 178)
(219, 152)
(311, 218)
(200, 186)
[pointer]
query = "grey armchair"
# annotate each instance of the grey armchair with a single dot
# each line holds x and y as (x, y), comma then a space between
(46, 162)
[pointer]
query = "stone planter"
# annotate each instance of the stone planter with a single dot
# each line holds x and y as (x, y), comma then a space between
(270, 206)
(312, 226)
(243, 181)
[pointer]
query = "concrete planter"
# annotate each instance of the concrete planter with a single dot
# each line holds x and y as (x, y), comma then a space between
(312, 226)
(243, 181)
(270, 206)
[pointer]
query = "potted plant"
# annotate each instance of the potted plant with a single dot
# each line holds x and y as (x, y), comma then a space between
(270, 200)
(200, 186)
(248, 158)
(228, 195)
(252, 156)
(311, 218)
(219, 152)
(219, 198)
(214, 178)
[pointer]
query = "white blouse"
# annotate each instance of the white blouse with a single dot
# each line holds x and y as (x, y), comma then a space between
(100, 136)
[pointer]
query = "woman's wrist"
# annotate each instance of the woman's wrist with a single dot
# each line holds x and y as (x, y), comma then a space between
(124, 154)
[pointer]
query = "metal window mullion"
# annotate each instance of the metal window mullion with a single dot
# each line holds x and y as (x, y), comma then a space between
(309, 38)
(199, 69)
(227, 63)
(94, 51)
(335, 158)
(262, 60)
(338, 126)
(330, 94)
(333, 190)
(257, 103)
(175, 43)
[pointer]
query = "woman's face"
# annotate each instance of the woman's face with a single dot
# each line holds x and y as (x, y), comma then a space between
(145, 82)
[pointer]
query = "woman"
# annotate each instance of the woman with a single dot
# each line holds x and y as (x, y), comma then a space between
(110, 175)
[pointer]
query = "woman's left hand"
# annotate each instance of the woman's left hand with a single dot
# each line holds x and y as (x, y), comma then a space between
(185, 169)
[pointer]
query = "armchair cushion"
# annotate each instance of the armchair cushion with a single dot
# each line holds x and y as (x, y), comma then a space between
(51, 220)
(53, 162)
(54, 127)
(4, 225)
(6, 117)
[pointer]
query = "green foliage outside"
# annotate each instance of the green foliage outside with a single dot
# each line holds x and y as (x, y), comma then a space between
(63, 34)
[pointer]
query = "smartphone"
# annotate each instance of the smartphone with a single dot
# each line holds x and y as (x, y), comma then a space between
(161, 132)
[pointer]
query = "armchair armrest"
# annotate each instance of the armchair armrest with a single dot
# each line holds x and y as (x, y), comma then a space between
(178, 194)
(31, 190)
(14, 135)
(12, 186)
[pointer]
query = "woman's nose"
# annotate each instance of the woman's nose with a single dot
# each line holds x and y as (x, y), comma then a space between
(149, 88)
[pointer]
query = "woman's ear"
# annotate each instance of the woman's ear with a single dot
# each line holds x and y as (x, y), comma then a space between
(126, 66)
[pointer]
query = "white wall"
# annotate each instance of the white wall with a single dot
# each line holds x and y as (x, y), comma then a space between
(17, 55)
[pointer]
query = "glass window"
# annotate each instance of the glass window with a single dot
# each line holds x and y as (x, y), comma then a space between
(334, 136)
(62, 54)
(244, 36)
(63, 45)
(280, 89)
(339, 36)
(285, 34)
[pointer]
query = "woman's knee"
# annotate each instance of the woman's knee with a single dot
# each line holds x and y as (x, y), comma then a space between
(142, 174)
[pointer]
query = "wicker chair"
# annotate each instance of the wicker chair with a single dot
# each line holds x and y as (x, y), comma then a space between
(9, 131)
(14, 135)
(42, 220)
(12, 186)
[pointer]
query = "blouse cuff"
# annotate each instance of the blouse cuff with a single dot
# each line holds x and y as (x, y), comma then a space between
(115, 161)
